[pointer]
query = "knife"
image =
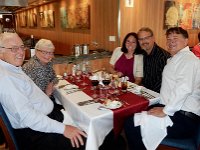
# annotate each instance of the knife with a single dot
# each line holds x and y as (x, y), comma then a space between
(86, 102)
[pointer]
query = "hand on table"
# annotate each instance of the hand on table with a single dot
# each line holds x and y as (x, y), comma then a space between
(75, 135)
(156, 111)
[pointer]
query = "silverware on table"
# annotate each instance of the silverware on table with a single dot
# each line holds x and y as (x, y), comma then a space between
(103, 108)
(87, 102)
(147, 95)
(131, 86)
(62, 86)
(73, 91)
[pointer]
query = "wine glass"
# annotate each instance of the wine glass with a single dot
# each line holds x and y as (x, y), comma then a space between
(106, 81)
(84, 73)
(78, 73)
(114, 84)
(95, 83)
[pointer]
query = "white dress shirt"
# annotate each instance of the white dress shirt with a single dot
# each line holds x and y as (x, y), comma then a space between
(24, 103)
(180, 88)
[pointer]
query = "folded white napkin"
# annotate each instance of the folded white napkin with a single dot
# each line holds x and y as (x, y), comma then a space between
(153, 129)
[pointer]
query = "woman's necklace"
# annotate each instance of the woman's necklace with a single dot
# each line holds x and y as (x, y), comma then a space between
(129, 56)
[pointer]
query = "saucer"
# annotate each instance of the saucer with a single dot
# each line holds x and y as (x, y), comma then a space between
(113, 104)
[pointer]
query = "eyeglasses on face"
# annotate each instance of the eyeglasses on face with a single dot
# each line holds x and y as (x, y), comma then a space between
(46, 53)
(14, 49)
(145, 38)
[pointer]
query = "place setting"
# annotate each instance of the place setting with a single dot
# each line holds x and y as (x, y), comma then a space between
(68, 87)
(110, 104)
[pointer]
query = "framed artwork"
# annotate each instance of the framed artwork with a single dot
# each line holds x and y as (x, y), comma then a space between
(63, 18)
(47, 19)
(170, 14)
(185, 15)
(23, 19)
(32, 20)
(75, 17)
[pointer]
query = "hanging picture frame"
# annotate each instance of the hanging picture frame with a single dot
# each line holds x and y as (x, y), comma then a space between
(47, 19)
(185, 15)
(77, 17)
(32, 20)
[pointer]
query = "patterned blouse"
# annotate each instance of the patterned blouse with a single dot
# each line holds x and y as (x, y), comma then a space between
(39, 73)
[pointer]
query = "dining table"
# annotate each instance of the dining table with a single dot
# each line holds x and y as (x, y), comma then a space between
(92, 116)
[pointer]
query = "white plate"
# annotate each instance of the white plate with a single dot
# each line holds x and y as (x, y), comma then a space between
(113, 105)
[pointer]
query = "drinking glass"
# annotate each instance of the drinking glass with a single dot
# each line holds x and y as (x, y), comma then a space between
(95, 83)
(78, 73)
(106, 81)
(124, 86)
(84, 74)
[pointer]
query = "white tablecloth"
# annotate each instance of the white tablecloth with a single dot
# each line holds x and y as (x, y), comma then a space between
(96, 123)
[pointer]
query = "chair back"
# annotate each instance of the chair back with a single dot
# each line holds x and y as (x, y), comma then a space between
(192, 143)
(7, 130)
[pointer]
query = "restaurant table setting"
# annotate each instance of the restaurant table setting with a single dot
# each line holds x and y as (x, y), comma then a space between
(107, 111)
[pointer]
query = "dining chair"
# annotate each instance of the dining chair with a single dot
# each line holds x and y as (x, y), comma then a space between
(7, 130)
(192, 143)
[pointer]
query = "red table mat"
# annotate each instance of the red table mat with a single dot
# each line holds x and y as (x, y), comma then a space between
(133, 104)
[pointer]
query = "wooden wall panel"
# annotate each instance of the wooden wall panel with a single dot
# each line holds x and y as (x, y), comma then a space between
(149, 13)
(104, 17)
(103, 23)
(97, 64)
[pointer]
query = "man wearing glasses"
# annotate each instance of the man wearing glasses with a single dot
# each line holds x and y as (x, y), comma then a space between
(27, 107)
(155, 59)
(179, 96)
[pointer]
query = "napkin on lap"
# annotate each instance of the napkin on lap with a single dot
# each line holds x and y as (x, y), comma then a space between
(153, 129)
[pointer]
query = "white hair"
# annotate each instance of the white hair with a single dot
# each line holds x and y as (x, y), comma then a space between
(44, 43)
(6, 36)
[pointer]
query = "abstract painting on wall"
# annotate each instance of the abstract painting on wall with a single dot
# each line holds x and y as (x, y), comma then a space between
(32, 20)
(22, 17)
(75, 17)
(63, 17)
(47, 19)
(185, 15)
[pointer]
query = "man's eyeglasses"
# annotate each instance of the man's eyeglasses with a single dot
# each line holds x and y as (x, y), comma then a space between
(145, 38)
(14, 49)
(46, 53)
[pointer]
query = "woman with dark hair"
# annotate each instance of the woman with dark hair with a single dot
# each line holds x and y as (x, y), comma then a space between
(127, 61)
